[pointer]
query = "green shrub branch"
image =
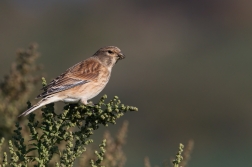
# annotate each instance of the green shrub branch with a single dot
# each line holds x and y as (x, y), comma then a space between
(71, 129)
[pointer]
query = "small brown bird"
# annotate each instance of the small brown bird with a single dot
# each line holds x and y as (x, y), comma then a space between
(81, 82)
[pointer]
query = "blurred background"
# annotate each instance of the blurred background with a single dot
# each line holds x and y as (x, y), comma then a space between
(188, 68)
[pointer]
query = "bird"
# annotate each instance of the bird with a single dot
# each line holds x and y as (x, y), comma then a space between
(81, 82)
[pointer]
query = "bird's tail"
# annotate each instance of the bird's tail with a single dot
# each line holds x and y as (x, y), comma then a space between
(41, 103)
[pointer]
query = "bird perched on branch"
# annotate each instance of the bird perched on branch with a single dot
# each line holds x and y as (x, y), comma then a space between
(81, 82)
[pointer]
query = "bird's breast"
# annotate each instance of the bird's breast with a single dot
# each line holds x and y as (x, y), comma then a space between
(92, 89)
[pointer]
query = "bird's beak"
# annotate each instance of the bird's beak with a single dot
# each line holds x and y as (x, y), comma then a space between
(121, 56)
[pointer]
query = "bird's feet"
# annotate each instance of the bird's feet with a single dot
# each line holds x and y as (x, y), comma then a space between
(90, 103)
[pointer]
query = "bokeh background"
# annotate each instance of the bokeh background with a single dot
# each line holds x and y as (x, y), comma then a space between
(188, 68)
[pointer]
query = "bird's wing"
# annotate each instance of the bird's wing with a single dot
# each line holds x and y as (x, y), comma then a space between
(81, 73)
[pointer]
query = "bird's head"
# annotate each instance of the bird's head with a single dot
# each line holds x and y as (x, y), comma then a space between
(109, 55)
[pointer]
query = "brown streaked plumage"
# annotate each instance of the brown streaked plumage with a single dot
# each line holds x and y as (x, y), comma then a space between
(81, 82)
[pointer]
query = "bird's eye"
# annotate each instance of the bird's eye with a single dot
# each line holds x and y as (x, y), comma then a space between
(110, 52)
